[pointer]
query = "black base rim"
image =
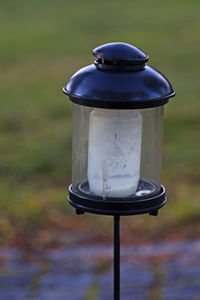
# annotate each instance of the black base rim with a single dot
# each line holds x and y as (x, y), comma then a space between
(123, 208)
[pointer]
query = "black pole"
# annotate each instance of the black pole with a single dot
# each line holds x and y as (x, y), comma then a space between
(116, 257)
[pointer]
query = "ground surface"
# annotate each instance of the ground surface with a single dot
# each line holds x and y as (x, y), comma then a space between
(162, 271)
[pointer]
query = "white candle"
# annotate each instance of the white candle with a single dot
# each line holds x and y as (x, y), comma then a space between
(114, 150)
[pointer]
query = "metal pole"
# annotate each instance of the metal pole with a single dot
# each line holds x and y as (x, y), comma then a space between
(116, 257)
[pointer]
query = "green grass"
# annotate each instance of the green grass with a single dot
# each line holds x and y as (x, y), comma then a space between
(42, 44)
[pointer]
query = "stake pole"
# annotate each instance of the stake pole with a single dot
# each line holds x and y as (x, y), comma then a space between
(116, 257)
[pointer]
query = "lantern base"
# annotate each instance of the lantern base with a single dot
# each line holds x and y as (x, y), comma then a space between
(140, 205)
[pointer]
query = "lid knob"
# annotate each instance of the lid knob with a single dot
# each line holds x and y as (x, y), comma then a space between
(119, 54)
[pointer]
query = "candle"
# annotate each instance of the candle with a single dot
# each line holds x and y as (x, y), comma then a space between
(114, 151)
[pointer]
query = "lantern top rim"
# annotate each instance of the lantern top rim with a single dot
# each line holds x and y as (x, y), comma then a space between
(119, 79)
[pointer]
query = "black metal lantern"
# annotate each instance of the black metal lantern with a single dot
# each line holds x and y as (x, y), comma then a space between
(118, 105)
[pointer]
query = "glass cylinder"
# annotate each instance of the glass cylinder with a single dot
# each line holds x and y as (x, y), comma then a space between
(116, 153)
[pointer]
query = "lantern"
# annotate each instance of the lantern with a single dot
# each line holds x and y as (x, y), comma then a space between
(118, 105)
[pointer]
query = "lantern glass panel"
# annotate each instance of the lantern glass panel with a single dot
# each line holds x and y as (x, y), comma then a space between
(116, 153)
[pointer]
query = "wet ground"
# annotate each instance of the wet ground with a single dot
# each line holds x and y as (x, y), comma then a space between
(162, 271)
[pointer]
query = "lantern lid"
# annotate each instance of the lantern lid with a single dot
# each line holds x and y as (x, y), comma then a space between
(119, 79)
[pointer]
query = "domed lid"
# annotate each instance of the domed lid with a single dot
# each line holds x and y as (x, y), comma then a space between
(119, 79)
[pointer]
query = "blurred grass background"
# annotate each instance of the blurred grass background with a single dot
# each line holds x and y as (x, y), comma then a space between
(42, 44)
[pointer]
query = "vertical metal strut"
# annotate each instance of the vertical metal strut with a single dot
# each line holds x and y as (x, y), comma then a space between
(116, 257)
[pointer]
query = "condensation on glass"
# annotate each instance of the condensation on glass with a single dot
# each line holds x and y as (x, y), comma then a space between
(117, 153)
